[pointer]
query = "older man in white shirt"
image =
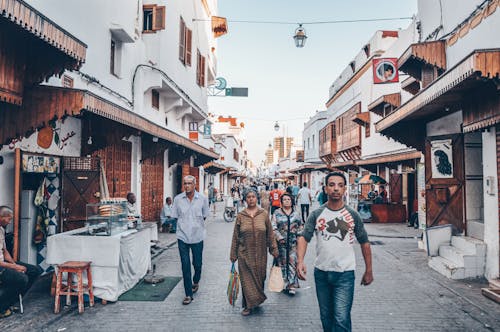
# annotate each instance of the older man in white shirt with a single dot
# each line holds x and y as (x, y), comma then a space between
(191, 209)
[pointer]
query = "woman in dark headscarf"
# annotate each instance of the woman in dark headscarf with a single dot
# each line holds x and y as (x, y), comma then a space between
(252, 237)
(287, 223)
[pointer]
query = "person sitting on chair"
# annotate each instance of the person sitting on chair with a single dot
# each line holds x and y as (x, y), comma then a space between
(15, 277)
(167, 222)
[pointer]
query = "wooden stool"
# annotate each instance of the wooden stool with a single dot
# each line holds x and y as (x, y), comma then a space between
(68, 288)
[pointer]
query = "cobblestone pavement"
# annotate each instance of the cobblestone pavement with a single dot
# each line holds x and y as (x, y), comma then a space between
(405, 296)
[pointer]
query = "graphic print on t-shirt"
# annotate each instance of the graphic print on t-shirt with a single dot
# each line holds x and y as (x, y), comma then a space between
(337, 227)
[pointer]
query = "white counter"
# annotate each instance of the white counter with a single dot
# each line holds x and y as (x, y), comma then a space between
(118, 261)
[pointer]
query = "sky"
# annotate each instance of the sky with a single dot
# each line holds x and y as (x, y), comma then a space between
(289, 84)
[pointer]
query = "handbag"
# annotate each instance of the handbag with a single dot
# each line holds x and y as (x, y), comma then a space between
(276, 282)
(233, 286)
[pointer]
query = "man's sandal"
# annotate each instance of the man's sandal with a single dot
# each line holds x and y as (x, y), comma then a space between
(195, 287)
(187, 300)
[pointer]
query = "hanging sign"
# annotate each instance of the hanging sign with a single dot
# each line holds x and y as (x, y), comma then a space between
(385, 70)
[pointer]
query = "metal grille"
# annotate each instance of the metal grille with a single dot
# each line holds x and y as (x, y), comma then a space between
(81, 163)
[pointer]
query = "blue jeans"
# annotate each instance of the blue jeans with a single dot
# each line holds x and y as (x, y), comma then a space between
(335, 292)
(197, 250)
(172, 222)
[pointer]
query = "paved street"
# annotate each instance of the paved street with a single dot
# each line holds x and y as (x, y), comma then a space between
(405, 296)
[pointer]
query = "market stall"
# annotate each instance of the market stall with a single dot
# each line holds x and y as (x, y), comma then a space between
(119, 261)
(372, 201)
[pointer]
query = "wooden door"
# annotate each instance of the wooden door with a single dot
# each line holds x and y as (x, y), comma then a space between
(80, 184)
(152, 187)
(396, 188)
(188, 170)
(117, 160)
(498, 184)
(445, 196)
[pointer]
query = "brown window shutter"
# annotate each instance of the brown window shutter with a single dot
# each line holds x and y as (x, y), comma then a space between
(159, 18)
(182, 41)
(198, 68)
(189, 39)
(202, 75)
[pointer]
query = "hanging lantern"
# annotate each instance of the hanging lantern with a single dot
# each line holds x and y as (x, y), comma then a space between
(300, 36)
(276, 126)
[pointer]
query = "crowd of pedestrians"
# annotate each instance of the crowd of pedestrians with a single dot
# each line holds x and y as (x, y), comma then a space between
(279, 222)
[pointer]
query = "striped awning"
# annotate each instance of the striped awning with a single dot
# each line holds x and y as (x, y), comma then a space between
(390, 158)
(430, 53)
(362, 118)
(34, 22)
(377, 106)
(213, 168)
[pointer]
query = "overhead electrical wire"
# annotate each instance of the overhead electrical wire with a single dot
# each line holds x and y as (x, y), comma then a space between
(312, 22)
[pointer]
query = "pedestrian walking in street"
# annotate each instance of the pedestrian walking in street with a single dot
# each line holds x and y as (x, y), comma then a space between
(264, 198)
(191, 209)
(253, 236)
(287, 223)
(274, 198)
(304, 201)
(335, 226)
(168, 224)
(211, 196)
(16, 278)
(236, 195)
(322, 196)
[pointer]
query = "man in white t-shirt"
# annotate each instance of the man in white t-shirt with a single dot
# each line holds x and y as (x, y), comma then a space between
(304, 201)
(335, 226)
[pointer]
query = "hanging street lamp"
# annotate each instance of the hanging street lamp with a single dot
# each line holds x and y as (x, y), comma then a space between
(276, 126)
(300, 36)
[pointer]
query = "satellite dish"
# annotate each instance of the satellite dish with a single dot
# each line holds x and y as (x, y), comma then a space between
(220, 83)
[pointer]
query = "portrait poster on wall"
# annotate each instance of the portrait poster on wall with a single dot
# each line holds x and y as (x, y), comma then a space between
(442, 159)
(385, 70)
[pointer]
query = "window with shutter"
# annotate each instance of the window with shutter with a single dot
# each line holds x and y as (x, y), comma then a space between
(153, 18)
(155, 99)
(158, 18)
(189, 38)
(182, 41)
(147, 18)
(203, 70)
(112, 57)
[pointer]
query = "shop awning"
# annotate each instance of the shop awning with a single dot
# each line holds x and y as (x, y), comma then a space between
(389, 158)
(362, 118)
(343, 164)
(471, 82)
(34, 22)
(45, 103)
(377, 106)
(310, 168)
(213, 168)
(427, 53)
(411, 85)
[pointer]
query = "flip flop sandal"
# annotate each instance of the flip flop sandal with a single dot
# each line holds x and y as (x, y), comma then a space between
(195, 287)
(246, 312)
(187, 300)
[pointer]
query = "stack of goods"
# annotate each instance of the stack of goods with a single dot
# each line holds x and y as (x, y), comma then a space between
(108, 210)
